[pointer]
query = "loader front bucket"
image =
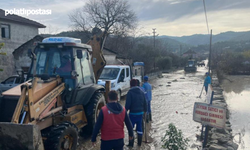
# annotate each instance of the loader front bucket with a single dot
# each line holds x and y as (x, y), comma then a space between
(20, 137)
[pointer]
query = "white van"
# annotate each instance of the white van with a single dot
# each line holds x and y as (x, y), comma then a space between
(119, 76)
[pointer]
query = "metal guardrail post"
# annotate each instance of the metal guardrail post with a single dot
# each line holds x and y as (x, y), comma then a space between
(207, 127)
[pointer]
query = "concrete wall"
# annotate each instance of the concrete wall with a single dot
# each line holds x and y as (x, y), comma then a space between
(19, 34)
(110, 59)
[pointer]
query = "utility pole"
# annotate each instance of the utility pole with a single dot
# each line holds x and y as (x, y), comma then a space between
(180, 49)
(210, 51)
(154, 32)
(154, 36)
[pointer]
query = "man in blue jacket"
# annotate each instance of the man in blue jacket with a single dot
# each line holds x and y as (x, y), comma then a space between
(137, 106)
(111, 122)
(207, 81)
(148, 89)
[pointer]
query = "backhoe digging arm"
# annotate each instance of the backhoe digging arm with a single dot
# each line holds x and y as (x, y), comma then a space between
(19, 106)
(98, 60)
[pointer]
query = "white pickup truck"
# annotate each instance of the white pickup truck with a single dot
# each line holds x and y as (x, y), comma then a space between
(119, 76)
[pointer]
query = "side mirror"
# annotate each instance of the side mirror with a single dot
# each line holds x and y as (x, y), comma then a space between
(79, 54)
(29, 53)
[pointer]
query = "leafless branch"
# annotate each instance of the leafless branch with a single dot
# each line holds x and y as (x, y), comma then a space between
(112, 16)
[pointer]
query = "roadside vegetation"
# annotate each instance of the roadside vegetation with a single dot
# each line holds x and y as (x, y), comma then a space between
(173, 139)
(232, 62)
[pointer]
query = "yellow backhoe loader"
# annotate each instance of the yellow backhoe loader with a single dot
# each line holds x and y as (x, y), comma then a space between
(59, 98)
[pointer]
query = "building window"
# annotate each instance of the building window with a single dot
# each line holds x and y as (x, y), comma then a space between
(5, 31)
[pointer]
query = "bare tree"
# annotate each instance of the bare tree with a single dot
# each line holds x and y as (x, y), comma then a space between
(112, 16)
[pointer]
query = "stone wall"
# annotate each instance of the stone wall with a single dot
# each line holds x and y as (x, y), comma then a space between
(19, 34)
(220, 139)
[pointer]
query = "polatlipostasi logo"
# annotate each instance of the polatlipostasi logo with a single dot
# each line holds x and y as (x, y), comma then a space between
(27, 12)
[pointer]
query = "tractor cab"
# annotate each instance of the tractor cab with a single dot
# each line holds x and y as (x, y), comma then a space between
(64, 57)
(191, 66)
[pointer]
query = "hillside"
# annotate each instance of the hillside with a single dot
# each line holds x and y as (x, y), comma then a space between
(173, 45)
(201, 39)
(198, 42)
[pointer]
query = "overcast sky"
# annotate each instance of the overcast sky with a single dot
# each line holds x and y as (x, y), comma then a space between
(169, 17)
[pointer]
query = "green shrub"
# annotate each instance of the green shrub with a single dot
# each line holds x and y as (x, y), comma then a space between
(173, 139)
(164, 62)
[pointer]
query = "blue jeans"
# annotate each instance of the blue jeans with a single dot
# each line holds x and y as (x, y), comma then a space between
(112, 144)
(206, 88)
(149, 106)
(137, 119)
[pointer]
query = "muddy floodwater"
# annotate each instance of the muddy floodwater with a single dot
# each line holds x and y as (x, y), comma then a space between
(237, 96)
(173, 99)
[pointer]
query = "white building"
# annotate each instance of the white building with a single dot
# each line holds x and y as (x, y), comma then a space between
(15, 31)
(112, 58)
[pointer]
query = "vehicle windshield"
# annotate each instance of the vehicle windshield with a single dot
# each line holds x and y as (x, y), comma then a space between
(54, 61)
(190, 63)
(109, 73)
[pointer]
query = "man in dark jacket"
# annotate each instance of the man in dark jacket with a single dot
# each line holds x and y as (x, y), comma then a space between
(111, 122)
(137, 106)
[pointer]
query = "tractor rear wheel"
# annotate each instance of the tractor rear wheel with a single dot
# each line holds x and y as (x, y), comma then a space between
(62, 137)
(92, 110)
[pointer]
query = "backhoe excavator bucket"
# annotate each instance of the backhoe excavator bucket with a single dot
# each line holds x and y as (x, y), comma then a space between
(20, 137)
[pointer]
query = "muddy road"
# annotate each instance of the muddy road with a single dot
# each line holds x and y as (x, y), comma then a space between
(237, 96)
(173, 100)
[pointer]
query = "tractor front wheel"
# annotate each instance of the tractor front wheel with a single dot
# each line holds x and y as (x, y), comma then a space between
(63, 137)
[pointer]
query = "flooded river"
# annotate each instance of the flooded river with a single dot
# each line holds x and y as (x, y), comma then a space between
(173, 100)
(237, 96)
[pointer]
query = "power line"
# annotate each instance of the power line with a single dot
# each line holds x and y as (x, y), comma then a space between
(206, 15)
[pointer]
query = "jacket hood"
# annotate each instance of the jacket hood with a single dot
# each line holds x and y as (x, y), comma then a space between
(135, 89)
(115, 107)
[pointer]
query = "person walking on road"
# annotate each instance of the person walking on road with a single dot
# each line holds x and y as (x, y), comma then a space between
(111, 122)
(207, 81)
(148, 89)
(139, 85)
(137, 106)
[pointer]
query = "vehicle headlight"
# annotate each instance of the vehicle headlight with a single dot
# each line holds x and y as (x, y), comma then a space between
(112, 85)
